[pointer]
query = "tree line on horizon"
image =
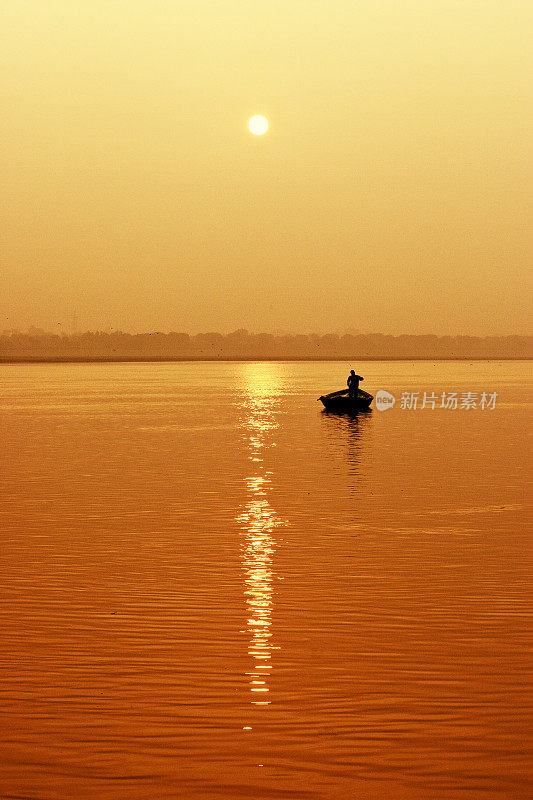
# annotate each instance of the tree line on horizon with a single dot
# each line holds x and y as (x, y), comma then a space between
(242, 344)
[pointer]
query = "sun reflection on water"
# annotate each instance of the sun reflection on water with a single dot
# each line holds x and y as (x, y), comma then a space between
(258, 520)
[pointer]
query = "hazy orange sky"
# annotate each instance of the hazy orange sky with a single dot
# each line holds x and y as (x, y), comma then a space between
(391, 192)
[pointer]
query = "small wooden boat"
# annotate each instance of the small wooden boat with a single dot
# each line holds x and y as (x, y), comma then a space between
(341, 403)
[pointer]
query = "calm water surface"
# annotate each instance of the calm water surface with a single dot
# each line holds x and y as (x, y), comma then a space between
(210, 589)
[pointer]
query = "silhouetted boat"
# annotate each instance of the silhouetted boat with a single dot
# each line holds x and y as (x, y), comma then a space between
(341, 403)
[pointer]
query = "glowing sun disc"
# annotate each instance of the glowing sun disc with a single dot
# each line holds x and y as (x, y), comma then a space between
(258, 125)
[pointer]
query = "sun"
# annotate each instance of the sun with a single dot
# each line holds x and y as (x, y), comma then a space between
(258, 125)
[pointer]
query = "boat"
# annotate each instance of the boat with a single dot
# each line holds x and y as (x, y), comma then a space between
(341, 402)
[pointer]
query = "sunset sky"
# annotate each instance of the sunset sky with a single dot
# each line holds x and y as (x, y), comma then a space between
(391, 192)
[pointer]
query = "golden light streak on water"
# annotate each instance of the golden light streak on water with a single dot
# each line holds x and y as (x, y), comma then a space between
(258, 520)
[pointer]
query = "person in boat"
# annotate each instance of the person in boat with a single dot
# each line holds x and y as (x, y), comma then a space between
(353, 384)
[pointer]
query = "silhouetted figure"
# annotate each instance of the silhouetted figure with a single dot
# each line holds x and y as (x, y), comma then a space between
(353, 384)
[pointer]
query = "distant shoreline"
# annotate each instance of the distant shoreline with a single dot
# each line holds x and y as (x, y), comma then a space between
(97, 347)
(166, 359)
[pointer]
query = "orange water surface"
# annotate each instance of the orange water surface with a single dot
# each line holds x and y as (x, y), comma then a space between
(211, 589)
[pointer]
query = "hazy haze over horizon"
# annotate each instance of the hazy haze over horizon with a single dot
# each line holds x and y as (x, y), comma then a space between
(391, 192)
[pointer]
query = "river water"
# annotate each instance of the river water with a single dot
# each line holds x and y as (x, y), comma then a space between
(211, 590)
